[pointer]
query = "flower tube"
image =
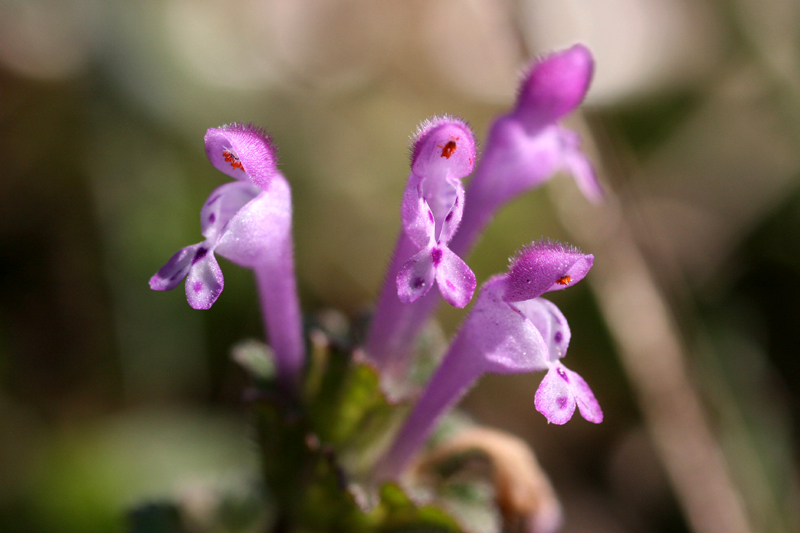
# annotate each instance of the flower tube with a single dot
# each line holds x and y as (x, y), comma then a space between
(249, 222)
(510, 330)
(443, 152)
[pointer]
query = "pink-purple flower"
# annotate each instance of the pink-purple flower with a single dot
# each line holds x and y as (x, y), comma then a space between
(527, 146)
(510, 330)
(443, 153)
(524, 149)
(249, 222)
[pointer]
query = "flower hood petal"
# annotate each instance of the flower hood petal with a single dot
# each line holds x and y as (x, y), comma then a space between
(545, 266)
(244, 152)
(443, 146)
(554, 87)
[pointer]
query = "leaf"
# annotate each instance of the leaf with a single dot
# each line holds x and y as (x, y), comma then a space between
(362, 403)
(399, 513)
(351, 412)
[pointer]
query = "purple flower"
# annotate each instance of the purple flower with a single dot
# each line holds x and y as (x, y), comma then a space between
(222, 218)
(510, 330)
(443, 152)
(527, 146)
(249, 222)
(524, 148)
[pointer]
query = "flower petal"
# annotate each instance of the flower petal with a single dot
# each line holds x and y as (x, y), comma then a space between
(504, 338)
(416, 277)
(222, 204)
(418, 219)
(554, 87)
(587, 403)
(242, 151)
(456, 280)
(554, 397)
(560, 391)
(443, 146)
(513, 162)
(582, 170)
(551, 323)
(545, 266)
(453, 218)
(172, 273)
(263, 225)
(204, 283)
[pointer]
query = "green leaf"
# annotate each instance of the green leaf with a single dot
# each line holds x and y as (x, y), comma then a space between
(361, 403)
(399, 513)
(350, 411)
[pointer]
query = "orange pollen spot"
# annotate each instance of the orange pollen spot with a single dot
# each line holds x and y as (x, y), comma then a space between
(448, 149)
(231, 158)
(564, 280)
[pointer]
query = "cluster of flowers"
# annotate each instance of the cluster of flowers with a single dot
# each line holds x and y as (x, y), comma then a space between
(510, 328)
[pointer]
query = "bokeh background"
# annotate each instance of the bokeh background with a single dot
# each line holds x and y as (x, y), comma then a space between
(687, 328)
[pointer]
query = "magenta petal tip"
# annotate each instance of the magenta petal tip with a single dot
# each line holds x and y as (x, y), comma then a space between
(545, 266)
(443, 142)
(555, 85)
(242, 151)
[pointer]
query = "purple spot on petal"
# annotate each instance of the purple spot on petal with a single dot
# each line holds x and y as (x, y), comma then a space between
(430, 215)
(562, 402)
(450, 285)
(563, 374)
(199, 254)
(416, 283)
(197, 286)
(211, 218)
(558, 337)
(436, 256)
(448, 217)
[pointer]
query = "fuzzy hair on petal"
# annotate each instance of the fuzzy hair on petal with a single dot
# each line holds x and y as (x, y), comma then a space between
(243, 151)
(554, 86)
(427, 125)
(443, 142)
(545, 266)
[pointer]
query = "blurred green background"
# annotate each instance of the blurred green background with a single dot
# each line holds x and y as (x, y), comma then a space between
(687, 329)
